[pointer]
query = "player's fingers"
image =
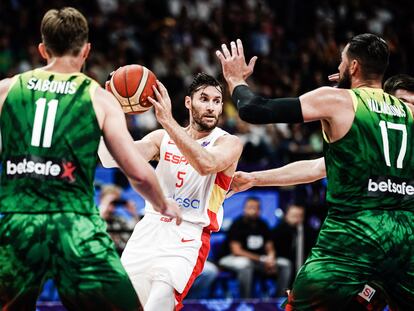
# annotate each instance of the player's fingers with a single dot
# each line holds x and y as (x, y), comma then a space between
(252, 62)
(334, 77)
(233, 48)
(220, 56)
(162, 88)
(226, 51)
(157, 93)
(240, 49)
(178, 220)
(237, 174)
(154, 102)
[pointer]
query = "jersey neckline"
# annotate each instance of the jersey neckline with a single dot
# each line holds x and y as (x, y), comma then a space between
(75, 73)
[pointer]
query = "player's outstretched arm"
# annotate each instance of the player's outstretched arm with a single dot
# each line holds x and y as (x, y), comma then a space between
(300, 172)
(331, 105)
(225, 152)
(121, 146)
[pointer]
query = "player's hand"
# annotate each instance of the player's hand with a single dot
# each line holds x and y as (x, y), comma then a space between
(270, 268)
(173, 211)
(334, 77)
(233, 64)
(108, 81)
(162, 103)
(241, 182)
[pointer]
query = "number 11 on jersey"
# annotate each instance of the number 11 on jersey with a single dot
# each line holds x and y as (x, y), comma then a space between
(38, 122)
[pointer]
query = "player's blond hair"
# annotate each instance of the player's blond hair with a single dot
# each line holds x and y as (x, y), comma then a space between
(64, 31)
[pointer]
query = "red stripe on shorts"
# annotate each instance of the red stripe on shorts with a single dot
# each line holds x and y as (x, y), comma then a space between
(201, 259)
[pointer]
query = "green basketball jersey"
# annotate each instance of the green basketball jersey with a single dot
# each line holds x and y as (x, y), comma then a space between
(372, 166)
(50, 137)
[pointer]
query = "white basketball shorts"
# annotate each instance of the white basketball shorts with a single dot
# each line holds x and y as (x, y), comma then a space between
(159, 250)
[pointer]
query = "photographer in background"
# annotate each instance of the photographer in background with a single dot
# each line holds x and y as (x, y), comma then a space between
(119, 226)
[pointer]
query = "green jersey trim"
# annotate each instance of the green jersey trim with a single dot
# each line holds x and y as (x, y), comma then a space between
(61, 75)
(354, 100)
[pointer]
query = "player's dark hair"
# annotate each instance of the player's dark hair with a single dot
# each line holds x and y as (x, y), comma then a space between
(399, 82)
(64, 31)
(371, 52)
(202, 80)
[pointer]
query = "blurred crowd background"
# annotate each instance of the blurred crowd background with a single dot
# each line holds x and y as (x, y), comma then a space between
(298, 43)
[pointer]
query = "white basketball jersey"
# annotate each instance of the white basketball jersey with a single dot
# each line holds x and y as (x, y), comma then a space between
(200, 197)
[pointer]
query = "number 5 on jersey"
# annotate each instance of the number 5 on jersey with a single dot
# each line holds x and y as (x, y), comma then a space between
(180, 177)
(38, 122)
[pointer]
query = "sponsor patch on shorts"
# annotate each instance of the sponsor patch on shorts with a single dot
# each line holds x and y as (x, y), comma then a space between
(367, 293)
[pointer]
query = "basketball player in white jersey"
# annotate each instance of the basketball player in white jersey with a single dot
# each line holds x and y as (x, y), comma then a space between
(195, 167)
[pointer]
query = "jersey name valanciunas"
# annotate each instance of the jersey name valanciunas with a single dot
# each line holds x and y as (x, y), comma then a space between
(372, 166)
(200, 197)
(50, 137)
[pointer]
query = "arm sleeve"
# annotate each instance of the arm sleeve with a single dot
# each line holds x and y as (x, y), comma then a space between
(258, 110)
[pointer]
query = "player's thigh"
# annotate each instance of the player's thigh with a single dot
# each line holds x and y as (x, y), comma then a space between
(88, 270)
(23, 259)
(401, 291)
(327, 283)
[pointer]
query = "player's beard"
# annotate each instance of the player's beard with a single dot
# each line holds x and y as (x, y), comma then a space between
(345, 81)
(200, 124)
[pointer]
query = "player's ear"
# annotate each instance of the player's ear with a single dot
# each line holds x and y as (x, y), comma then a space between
(85, 50)
(354, 66)
(42, 51)
(187, 102)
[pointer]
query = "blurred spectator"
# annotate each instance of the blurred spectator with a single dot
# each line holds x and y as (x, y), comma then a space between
(119, 223)
(292, 238)
(251, 250)
(202, 285)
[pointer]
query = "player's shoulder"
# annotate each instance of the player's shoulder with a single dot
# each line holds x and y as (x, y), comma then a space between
(103, 97)
(331, 91)
(5, 86)
(224, 136)
(333, 95)
(155, 137)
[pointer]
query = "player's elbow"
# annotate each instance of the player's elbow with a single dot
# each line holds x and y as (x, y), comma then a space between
(139, 181)
(204, 170)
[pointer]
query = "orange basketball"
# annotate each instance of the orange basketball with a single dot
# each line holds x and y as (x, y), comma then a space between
(131, 85)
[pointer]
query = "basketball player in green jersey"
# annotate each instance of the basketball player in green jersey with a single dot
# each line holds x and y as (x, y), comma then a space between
(365, 249)
(307, 171)
(51, 121)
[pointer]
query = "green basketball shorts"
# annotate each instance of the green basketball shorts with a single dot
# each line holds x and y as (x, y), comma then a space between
(72, 249)
(366, 256)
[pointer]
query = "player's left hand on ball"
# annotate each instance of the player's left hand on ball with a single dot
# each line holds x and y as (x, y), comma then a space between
(108, 81)
(162, 103)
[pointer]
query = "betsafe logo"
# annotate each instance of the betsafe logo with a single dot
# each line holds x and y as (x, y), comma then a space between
(377, 185)
(40, 168)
